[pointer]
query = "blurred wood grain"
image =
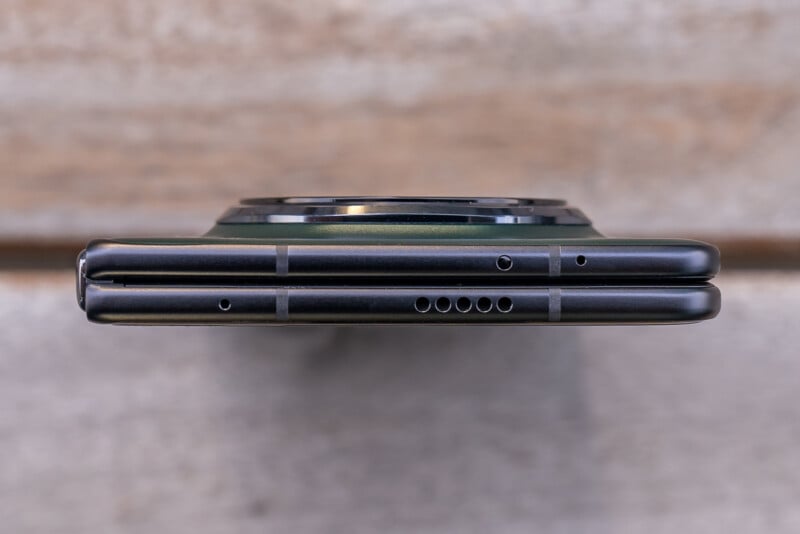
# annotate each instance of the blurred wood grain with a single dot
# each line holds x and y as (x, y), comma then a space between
(657, 118)
(150, 117)
(397, 429)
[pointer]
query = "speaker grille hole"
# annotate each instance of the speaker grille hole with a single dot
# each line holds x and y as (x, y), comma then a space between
(484, 304)
(504, 304)
(581, 260)
(504, 263)
(422, 305)
(224, 304)
(443, 304)
(463, 304)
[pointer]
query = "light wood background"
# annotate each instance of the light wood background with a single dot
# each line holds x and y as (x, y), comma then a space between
(149, 117)
(145, 115)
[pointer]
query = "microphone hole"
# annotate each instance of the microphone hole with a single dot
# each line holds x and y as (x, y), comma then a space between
(504, 263)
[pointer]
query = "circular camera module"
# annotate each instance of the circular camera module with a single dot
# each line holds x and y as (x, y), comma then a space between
(474, 210)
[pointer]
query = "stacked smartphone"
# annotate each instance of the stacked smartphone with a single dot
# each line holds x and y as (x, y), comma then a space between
(398, 260)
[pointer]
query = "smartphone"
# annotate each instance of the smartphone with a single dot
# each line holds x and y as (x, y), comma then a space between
(398, 260)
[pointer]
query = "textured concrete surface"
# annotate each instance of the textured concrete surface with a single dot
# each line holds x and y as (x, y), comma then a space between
(301, 430)
(143, 116)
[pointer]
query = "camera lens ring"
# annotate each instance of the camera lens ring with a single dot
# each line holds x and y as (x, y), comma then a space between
(475, 210)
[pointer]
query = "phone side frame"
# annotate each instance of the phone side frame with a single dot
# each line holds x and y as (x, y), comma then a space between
(117, 303)
(576, 259)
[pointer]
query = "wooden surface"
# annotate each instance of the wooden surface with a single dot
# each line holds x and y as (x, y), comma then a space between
(379, 429)
(144, 116)
(149, 117)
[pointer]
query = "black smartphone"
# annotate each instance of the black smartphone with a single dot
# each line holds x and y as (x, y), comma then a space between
(398, 260)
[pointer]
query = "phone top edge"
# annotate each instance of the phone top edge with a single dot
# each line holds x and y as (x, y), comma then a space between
(107, 259)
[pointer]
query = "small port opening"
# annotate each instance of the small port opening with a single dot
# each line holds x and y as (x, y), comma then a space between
(422, 305)
(581, 260)
(484, 304)
(224, 304)
(463, 304)
(443, 304)
(504, 263)
(504, 304)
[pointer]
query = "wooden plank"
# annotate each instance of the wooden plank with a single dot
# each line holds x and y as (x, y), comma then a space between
(437, 429)
(148, 117)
